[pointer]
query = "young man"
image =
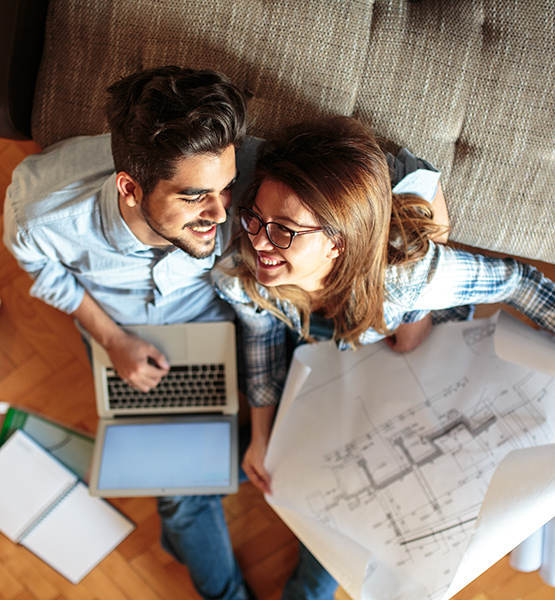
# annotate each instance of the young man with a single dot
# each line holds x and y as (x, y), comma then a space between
(123, 229)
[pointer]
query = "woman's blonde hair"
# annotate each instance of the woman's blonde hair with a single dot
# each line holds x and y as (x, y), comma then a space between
(340, 174)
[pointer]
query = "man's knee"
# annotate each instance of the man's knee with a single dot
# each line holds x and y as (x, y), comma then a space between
(179, 510)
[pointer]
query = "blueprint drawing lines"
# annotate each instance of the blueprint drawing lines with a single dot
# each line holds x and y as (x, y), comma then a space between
(407, 477)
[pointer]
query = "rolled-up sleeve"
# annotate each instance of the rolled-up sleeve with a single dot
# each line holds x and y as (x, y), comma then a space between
(455, 277)
(53, 283)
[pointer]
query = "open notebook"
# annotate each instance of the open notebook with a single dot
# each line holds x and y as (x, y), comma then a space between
(44, 507)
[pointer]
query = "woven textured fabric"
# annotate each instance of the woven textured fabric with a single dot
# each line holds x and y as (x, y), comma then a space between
(470, 86)
(505, 155)
(295, 59)
(467, 85)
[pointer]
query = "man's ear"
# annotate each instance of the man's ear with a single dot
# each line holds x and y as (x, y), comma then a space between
(129, 190)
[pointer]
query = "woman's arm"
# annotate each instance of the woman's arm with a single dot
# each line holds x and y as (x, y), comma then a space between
(262, 419)
(409, 336)
(453, 277)
(265, 370)
(441, 216)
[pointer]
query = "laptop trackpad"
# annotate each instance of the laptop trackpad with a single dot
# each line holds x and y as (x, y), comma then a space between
(170, 340)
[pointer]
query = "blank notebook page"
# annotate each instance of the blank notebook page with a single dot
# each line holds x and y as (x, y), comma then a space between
(30, 481)
(78, 533)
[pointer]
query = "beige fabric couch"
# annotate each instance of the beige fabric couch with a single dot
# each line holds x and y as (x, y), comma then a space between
(466, 84)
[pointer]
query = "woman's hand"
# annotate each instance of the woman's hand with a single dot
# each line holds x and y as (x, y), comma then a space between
(409, 336)
(253, 465)
(262, 419)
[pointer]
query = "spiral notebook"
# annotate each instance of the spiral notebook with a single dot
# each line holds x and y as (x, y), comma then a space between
(44, 507)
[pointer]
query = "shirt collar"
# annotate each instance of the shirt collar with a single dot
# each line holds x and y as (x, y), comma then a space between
(115, 228)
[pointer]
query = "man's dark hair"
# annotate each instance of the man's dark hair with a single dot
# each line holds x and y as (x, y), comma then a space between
(161, 115)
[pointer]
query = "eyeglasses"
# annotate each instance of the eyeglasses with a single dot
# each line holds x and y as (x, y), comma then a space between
(279, 235)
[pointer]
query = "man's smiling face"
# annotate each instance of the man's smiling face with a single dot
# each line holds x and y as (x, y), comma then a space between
(186, 209)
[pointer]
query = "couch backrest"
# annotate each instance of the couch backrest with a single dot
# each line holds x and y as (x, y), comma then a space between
(467, 85)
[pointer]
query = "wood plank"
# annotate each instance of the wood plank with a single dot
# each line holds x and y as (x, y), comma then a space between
(10, 587)
(146, 535)
(31, 572)
(14, 347)
(17, 385)
(39, 324)
(131, 583)
(168, 580)
(6, 365)
(267, 577)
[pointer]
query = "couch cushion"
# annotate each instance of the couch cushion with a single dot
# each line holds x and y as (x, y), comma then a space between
(295, 59)
(470, 86)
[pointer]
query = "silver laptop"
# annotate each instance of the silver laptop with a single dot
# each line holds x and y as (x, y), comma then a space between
(182, 437)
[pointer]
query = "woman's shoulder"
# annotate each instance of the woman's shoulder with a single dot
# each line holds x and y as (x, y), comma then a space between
(228, 286)
(403, 282)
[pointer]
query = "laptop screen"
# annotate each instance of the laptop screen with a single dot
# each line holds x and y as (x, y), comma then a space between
(195, 454)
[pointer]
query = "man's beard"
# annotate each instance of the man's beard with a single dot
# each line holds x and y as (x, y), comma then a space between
(188, 248)
(183, 245)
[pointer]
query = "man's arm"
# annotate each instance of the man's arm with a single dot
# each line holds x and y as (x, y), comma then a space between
(55, 285)
(136, 361)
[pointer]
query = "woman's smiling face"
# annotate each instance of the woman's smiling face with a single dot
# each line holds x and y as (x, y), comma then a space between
(309, 259)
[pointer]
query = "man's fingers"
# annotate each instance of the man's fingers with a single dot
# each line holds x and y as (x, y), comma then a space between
(158, 360)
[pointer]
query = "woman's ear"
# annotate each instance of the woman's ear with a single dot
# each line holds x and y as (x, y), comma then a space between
(129, 190)
(336, 248)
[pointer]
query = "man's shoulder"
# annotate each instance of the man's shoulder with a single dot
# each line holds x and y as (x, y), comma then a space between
(81, 153)
(60, 176)
(67, 163)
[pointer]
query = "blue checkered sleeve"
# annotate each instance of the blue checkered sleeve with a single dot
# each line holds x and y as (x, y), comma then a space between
(265, 355)
(456, 277)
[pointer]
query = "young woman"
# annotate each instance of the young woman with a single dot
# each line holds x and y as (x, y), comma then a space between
(329, 251)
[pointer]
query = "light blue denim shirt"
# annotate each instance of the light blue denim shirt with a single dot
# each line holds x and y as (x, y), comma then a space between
(64, 227)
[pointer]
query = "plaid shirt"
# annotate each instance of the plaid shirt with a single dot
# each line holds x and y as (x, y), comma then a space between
(444, 278)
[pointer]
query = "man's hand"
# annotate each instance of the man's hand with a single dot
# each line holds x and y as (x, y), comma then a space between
(137, 362)
(409, 336)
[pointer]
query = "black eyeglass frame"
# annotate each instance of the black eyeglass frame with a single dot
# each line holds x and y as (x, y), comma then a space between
(293, 234)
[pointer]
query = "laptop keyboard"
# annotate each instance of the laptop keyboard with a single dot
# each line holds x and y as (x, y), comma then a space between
(183, 386)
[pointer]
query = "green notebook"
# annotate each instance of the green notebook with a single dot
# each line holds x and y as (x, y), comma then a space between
(72, 448)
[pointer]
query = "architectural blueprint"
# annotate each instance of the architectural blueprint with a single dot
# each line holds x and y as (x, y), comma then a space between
(395, 452)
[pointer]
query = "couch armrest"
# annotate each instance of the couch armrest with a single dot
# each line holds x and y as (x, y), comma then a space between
(21, 44)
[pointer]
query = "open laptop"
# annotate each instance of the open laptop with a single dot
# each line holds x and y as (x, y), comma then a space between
(182, 437)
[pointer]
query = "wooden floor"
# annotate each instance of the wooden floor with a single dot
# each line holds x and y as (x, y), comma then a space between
(43, 367)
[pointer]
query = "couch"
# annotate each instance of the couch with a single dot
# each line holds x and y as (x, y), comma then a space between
(469, 85)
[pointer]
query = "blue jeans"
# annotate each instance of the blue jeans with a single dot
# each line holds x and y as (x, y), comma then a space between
(195, 533)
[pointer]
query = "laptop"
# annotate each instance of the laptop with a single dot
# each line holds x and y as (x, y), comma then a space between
(181, 438)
